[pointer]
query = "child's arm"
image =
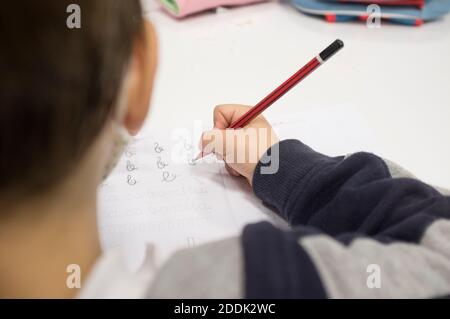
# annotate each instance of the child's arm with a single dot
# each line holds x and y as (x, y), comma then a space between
(359, 230)
(343, 194)
(349, 216)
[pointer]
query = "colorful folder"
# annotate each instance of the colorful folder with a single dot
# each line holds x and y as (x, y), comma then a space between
(182, 8)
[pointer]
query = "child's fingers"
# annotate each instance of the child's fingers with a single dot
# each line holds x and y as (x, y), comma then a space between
(231, 171)
(226, 114)
(213, 141)
(223, 143)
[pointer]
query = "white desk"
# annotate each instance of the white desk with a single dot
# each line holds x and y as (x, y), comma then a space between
(396, 79)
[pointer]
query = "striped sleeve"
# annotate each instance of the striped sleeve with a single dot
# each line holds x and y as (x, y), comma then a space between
(361, 228)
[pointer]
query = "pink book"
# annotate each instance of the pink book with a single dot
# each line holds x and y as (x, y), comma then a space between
(182, 8)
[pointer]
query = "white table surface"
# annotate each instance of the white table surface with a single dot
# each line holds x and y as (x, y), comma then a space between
(395, 81)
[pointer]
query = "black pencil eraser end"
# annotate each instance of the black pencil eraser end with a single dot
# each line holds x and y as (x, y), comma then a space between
(331, 49)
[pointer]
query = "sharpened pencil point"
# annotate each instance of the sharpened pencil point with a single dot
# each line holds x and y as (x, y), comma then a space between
(197, 158)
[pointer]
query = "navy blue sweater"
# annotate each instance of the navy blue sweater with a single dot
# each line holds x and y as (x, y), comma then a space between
(361, 227)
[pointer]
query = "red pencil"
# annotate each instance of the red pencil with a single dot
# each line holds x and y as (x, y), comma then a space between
(286, 86)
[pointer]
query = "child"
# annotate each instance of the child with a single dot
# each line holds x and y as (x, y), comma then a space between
(361, 227)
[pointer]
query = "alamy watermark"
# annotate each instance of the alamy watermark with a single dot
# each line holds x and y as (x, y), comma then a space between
(243, 146)
(374, 278)
(73, 20)
(373, 16)
(73, 280)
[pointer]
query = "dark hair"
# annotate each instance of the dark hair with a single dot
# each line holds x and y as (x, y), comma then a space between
(58, 86)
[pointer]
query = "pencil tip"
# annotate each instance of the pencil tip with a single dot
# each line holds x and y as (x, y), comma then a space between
(195, 160)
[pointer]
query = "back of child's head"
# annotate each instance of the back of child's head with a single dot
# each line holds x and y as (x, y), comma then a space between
(59, 85)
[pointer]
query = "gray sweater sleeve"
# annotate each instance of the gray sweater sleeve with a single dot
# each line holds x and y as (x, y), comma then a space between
(213, 270)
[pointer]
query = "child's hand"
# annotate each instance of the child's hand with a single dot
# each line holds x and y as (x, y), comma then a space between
(241, 149)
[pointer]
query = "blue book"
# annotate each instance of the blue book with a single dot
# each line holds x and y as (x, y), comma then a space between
(409, 15)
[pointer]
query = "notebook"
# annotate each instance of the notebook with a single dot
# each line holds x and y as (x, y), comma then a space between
(155, 194)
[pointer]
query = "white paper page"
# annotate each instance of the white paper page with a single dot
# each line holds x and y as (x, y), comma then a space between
(246, 207)
(155, 196)
(332, 130)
